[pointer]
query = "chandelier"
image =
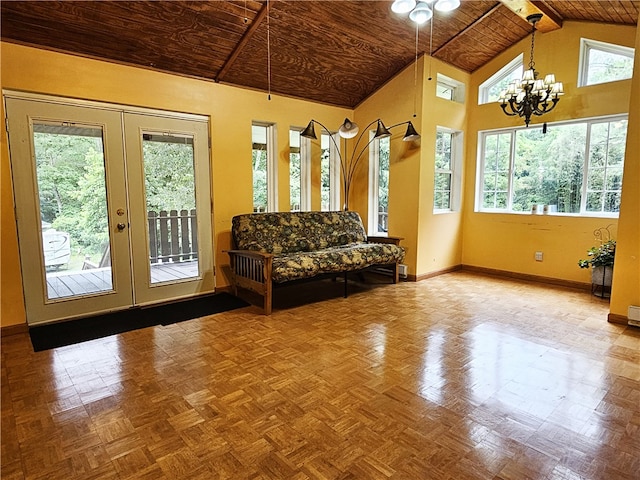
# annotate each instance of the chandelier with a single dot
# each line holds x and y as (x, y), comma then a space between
(531, 95)
(350, 129)
(421, 12)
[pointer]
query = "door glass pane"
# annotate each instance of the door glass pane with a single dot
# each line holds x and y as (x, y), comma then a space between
(171, 207)
(70, 170)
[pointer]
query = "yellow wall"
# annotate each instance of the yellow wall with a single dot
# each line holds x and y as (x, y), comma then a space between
(394, 103)
(231, 111)
(626, 274)
(434, 242)
(11, 301)
(508, 241)
(440, 234)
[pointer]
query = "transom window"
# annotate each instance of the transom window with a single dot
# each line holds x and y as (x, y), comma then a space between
(489, 91)
(602, 62)
(449, 89)
(575, 168)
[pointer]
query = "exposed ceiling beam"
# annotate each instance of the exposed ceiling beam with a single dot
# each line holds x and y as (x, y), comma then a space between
(257, 20)
(523, 8)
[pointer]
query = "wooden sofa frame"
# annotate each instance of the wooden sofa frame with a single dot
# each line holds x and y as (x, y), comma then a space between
(251, 270)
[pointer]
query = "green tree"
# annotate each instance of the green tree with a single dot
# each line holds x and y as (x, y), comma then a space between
(169, 175)
(294, 181)
(259, 163)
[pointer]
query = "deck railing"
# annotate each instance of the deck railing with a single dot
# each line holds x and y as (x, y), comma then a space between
(383, 219)
(173, 236)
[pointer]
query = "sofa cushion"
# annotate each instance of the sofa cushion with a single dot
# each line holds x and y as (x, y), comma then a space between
(289, 232)
(351, 257)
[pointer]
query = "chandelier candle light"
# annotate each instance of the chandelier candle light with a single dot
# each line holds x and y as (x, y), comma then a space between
(531, 95)
(350, 129)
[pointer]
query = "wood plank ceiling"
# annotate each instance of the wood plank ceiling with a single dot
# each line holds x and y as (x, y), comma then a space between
(335, 52)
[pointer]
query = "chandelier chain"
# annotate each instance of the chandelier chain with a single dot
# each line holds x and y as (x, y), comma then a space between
(533, 35)
(268, 52)
(415, 75)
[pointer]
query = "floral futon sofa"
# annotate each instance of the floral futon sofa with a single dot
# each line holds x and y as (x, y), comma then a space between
(274, 248)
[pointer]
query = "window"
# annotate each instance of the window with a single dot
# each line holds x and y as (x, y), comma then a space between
(449, 89)
(379, 186)
(447, 179)
(299, 174)
(604, 62)
(329, 174)
(443, 180)
(264, 168)
(491, 88)
(575, 168)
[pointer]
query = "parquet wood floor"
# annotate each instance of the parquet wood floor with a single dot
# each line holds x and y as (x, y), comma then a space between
(460, 376)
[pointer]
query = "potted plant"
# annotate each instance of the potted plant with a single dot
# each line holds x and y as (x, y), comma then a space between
(600, 259)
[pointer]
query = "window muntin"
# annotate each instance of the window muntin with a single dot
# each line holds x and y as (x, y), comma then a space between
(264, 167)
(602, 62)
(575, 168)
(443, 180)
(489, 91)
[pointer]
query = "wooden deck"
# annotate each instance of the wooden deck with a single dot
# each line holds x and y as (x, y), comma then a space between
(95, 280)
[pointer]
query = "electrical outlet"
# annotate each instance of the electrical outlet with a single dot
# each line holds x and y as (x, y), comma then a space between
(538, 256)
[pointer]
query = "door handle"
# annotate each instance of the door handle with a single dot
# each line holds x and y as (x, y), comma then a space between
(121, 226)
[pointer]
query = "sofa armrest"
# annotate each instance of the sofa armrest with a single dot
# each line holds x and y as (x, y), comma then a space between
(248, 253)
(252, 270)
(393, 240)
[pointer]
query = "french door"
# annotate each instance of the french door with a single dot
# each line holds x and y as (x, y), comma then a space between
(113, 207)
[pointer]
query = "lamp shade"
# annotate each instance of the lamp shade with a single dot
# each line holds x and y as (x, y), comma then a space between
(309, 132)
(382, 131)
(411, 134)
(447, 5)
(348, 129)
(421, 14)
(403, 6)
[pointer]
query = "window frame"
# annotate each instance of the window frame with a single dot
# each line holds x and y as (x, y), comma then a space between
(374, 185)
(272, 166)
(305, 171)
(480, 167)
(457, 88)
(334, 170)
(455, 167)
(587, 45)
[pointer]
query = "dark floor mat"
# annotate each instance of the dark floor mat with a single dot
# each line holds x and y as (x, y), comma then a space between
(75, 331)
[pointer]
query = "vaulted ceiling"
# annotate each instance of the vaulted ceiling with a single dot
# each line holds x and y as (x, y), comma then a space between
(332, 51)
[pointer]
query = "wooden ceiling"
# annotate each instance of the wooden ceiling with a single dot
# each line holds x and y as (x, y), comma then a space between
(333, 51)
